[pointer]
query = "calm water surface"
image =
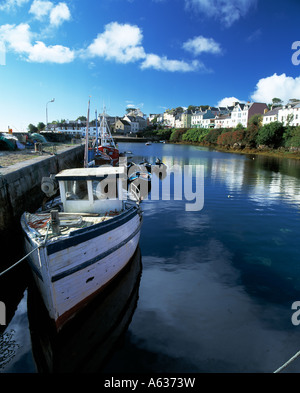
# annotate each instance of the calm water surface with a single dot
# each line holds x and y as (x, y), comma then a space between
(216, 287)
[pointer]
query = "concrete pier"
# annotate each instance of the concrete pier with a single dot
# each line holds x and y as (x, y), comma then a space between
(20, 184)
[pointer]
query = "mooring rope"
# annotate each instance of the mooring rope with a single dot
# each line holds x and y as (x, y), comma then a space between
(287, 363)
(17, 263)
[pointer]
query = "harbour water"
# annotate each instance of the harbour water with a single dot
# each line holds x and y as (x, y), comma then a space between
(214, 291)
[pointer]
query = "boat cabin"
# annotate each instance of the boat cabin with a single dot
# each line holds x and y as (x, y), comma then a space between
(92, 190)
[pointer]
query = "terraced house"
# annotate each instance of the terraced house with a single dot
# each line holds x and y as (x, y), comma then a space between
(242, 113)
(287, 114)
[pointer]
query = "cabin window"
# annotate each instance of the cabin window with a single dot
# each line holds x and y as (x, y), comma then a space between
(105, 189)
(76, 189)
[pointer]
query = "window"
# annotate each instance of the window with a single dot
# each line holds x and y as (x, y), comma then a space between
(76, 189)
(105, 188)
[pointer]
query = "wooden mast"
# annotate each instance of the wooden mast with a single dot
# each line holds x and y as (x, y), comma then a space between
(86, 150)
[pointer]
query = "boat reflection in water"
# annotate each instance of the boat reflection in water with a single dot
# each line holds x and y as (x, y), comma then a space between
(89, 338)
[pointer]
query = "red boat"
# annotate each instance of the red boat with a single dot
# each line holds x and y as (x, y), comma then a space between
(106, 143)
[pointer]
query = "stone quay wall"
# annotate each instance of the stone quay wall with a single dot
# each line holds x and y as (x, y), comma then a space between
(20, 184)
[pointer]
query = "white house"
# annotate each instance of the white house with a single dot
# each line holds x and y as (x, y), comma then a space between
(203, 119)
(223, 121)
(134, 124)
(242, 113)
(290, 114)
(270, 116)
(178, 121)
(287, 114)
(169, 119)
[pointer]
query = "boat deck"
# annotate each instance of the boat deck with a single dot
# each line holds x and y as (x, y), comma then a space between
(38, 222)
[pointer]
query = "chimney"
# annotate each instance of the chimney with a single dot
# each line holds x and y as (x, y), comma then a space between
(266, 110)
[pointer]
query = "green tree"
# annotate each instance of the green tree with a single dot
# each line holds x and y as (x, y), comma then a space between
(128, 110)
(277, 101)
(32, 128)
(212, 136)
(239, 126)
(256, 120)
(81, 118)
(41, 126)
(195, 134)
(177, 133)
(292, 136)
(164, 134)
(271, 134)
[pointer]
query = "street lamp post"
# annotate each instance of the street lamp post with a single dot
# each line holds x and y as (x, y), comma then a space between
(53, 99)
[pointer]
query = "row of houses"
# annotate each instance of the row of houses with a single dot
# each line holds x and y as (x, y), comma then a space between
(287, 114)
(231, 116)
(207, 117)
(129, 124)
(213, 117)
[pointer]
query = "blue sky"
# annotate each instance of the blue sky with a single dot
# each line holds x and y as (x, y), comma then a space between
(151, 54)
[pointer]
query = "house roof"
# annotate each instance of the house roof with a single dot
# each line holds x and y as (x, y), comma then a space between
(272, 112)
(223, 117)
(125, 122)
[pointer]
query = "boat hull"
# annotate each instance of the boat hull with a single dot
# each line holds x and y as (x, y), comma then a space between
(112, 152)
(73, 270)
(85, 343)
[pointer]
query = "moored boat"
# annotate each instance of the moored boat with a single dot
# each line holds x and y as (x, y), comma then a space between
(107, 144)
(85, 343)
(83, 241)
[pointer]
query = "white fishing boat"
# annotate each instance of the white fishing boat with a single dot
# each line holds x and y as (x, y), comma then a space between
(83, 239)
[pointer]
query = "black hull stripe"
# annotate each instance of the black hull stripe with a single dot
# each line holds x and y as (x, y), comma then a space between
(85, 234)
(95, 259)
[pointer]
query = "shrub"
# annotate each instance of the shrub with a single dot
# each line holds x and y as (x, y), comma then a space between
(251, 133)
(212, 136)
(177, 133)
(271, 134)
(292, 137)
(164, 133)
(195, 135)
(230, 138)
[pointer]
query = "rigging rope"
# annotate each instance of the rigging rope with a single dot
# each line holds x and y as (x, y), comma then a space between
(17, 263)
(32, 251)
(287, 363)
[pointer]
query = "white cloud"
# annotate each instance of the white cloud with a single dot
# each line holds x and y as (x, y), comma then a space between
(228, 101)
(200, 44)
(228, 11)
(40, 8)
(164, 64)
(19, 39)
(280, 86)
(119, 42)
(9, 5)
(123, 44)
(41, 53)
(59, 14)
